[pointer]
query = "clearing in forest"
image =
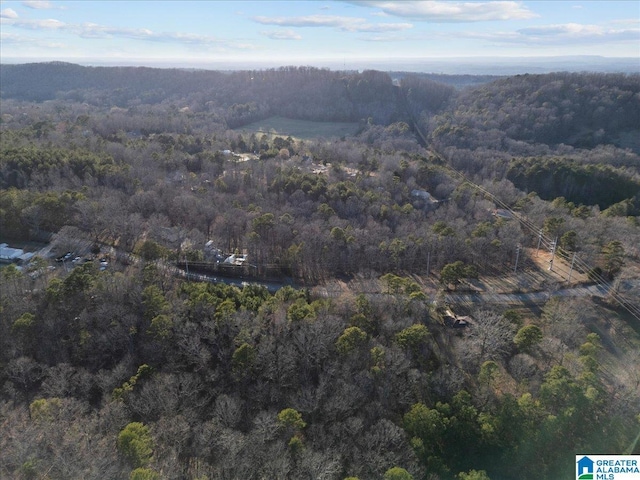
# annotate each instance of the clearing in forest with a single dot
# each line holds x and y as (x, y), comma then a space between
(301, 129)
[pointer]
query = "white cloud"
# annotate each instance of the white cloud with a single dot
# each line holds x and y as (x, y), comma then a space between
(8, 13)
(40, 4)
(12, 38)
(95, 31)
(282, 35)
(385, 27)
(54, 45)
(563, 29)
(561, 34)
(447, 12)
(387, 38)
(309, 21)
(346, 24)
(632, 22)
(46, 24)
(21, 40)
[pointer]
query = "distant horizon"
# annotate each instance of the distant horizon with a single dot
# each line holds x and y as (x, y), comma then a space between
(486, 65)
(348, 34)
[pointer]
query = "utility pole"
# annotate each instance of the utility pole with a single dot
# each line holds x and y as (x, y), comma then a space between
(553, 253)
(573, 260)
(428, 261)
(515, 269)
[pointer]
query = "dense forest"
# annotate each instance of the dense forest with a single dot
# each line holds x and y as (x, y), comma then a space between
(114, 363)
(238, 97)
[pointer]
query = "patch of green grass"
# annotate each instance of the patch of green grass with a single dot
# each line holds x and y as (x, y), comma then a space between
(300, 129)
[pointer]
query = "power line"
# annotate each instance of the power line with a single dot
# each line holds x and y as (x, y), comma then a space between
(629, 306)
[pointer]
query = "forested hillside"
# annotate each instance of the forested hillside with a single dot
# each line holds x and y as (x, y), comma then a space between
(582, 110)
(559, 135)
(120, 359)
(240, 97)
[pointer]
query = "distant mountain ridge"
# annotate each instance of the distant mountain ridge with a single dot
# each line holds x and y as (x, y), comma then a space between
(447, 66)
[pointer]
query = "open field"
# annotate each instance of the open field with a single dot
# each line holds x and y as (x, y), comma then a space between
(301, 129)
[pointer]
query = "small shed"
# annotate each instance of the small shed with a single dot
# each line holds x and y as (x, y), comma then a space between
(237, 260)
(456, 321)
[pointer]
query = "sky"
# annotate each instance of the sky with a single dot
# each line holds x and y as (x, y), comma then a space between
(310, 32)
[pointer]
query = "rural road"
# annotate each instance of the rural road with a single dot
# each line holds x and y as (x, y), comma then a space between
(453, 297)
(533, 297)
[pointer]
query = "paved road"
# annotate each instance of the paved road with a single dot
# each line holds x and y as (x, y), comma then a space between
(464, 298)
(533, 297)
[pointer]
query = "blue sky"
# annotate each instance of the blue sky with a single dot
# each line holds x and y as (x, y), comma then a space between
(308, 32)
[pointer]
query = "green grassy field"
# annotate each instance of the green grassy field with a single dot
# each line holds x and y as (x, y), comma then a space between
(301, 129)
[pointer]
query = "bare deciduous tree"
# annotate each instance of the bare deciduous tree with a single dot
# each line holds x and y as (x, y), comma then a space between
(490, 337)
